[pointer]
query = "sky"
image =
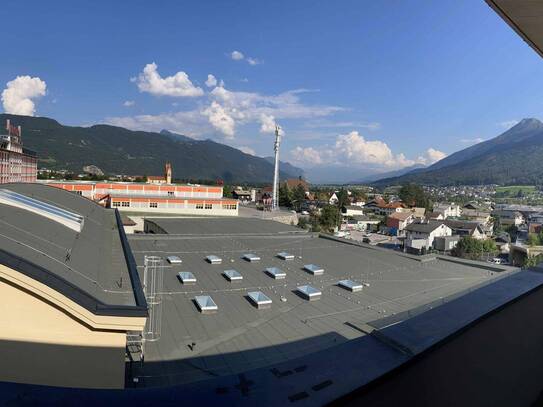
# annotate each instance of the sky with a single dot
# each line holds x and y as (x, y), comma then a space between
(357, 86)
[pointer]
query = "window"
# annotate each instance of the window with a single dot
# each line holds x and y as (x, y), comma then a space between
(79, 192)
(153, 205)
(125, 204)
(115, 204)
(171, 193)
(229, 206)
(199, 206)
(209, 206)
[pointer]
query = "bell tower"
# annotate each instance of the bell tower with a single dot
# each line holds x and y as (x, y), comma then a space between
(168, 173)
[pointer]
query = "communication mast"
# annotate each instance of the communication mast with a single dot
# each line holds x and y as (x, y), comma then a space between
(275, 198)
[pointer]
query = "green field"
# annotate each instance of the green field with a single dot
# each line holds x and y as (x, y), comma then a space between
(513, 189)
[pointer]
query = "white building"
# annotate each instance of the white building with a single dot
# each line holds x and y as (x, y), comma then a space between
(448, 210)
(422, 235)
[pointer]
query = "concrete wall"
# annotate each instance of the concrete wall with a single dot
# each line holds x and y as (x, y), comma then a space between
(47, 339)
(497, 362)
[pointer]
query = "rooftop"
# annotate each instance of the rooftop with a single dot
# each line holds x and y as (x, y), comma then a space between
(240, 337)
(90, 266)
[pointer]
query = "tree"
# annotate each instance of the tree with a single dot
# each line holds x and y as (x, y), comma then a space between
(329, 217)
(303, 223)
(342, 198)
(414, 195)
(298, 196)
(469, 247)
(285, 198)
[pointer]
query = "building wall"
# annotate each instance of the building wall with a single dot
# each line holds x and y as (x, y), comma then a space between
(225, 207)
(47, 339)
(17, 167)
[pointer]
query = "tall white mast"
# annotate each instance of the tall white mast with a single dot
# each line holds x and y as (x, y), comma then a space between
(275, 199)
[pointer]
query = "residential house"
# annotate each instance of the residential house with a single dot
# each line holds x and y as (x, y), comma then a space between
(398, 221)
(333, 199)
(475, 215)
(352, 210)
(418, 213)
(509, 218)
(435, 216)
(465, 228)
(420, 236)
(365, 223)
(389, 208)
(446, 243)
(242, 195)
(448, 210)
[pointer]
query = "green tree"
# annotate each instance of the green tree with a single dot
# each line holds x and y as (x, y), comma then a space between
(342, 198)
(329, 217)
(469, 247)
(414, 195)
(298, 196)
(285, 196)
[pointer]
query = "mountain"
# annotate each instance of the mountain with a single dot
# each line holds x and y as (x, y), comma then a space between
(390, 174)
(116, 150)
(514, 157)
(175, 136)
(286, 167)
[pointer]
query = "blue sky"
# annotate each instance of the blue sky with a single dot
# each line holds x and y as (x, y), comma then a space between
(369, 85)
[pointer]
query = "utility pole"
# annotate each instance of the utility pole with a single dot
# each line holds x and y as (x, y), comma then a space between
(275, 198)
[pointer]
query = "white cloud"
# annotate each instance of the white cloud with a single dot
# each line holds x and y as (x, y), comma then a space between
(253, 61)
(433, 155)
(18, 96)
(211, 81)
(178, 85)
(307, 155)
(220, 119)
(472, 140)
(354, 150)
(128, 103)
(237, 56)
(508, 123)
(247, 150)
(226, 110)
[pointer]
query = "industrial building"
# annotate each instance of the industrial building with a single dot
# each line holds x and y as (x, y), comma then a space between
(158, 198)
(246, 311)
(17, 164)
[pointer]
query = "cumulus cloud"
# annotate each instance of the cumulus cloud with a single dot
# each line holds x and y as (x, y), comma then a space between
(432, 155)
(178, 85)
(239, 56)
(353, 149)
(225, 110)
(220, 119)
(128, 103)
(308, 155)
(236, 55)
(247, 150)
(20, 93)
(211, 81)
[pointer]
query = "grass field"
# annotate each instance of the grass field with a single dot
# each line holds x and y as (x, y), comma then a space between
(513, 189)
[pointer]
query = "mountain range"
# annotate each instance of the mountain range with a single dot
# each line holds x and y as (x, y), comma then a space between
(514, 157)
(116, 150)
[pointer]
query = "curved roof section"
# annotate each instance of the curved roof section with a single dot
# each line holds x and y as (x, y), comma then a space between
(93, 267)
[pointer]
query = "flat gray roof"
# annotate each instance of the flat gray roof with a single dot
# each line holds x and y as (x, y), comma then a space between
(89, 263)
(221, 226)
(240, 337)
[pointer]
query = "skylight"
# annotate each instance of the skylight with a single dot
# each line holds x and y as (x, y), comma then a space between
(314, 269)
(232, 275)
(69, 219)
(276, 273)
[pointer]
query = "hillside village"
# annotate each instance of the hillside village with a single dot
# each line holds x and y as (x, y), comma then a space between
(417, 220)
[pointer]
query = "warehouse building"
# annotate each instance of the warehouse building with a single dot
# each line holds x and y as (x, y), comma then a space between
(155, 198)
(69, 290)
(17, 164)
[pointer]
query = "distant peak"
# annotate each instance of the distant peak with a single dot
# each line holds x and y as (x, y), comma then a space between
(529, 121)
